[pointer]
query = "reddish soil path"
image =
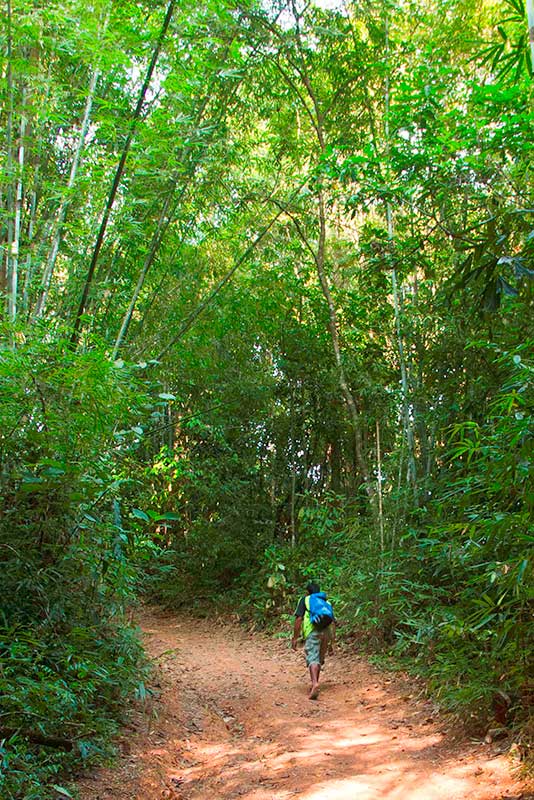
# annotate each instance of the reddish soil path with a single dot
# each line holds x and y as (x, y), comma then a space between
(232, 720)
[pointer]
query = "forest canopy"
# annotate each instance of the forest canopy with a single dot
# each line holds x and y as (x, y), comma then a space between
(267, 293)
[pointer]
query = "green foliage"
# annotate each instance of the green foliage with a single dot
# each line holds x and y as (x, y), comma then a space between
(320, 263)
(456, 598)
(510, 53)
(208, 545)
(67, 681)
(67, 658)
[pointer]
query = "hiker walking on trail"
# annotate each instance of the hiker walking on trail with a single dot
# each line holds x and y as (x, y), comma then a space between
(316, 623)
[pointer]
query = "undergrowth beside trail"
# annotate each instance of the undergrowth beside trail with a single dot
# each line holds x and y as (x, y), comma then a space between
(68, 658)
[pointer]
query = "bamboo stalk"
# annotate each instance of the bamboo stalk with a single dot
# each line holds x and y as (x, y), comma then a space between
(379, 488)
(319, 257)
(190, 319)
(29, 259)
(66, 201)
(9, 148)
(15, 247)
(157, 236)
(333, 325)
(166, 212)
(407, 422)
(117, 179)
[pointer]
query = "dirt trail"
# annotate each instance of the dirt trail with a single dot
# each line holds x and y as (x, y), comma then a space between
(232, 720)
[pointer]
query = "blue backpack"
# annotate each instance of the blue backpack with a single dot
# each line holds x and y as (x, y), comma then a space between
(321, 612)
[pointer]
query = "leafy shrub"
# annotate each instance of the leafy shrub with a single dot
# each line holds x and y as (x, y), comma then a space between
(67, 659)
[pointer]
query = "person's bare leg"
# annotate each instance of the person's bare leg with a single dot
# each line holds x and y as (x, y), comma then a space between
(315, 671)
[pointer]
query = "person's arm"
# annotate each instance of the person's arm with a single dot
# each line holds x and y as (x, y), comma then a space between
(296, 632)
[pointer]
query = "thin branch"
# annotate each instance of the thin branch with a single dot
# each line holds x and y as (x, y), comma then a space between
(193, 316)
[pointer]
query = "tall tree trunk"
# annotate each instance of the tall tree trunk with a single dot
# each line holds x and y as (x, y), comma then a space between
(33, 168)
(333, 326)
(10, 210)
(157, 236)
(397, 299)
(29, 258)
(193, 316)
(317, 117)
(379, 487)
(57, 230)
(292, 450)
(407, 422)
(19, 192)
(165, 216)
(117, 179)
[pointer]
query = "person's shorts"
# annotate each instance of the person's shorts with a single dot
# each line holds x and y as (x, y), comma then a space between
(315, 647)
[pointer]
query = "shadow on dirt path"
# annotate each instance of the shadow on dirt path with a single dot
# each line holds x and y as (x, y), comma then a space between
(232, 720)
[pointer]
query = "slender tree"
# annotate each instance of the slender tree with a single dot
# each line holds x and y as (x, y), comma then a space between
(56, 231)
(118, 175)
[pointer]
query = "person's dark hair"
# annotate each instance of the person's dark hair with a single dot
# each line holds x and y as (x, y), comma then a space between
(313, 587)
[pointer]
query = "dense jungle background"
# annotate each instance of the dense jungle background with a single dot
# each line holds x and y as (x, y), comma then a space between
(268, 281)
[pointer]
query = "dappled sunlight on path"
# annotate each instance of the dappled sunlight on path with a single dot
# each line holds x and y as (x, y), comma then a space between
(232, 720)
